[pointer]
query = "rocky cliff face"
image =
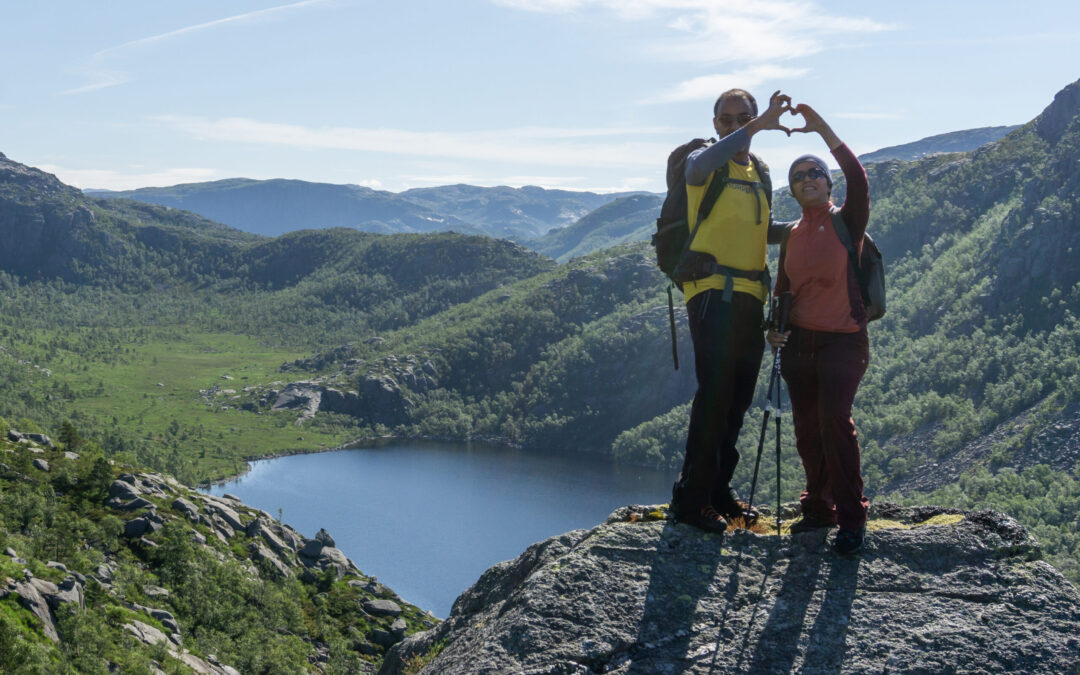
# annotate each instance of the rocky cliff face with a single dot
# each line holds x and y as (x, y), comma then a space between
(42, 220)
(933, 591)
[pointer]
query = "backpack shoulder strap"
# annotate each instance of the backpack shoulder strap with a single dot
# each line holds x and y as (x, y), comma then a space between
(785, 232)
(843, 234)
(787, 227)
(716, 186)
(766, 178)
(861, 273)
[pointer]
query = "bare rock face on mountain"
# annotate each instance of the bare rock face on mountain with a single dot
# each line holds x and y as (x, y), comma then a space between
(380, 399)
(933, 591)
(1060, 113)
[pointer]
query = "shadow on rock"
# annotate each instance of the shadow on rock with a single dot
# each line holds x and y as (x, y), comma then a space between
(671, 600)
(814, 587)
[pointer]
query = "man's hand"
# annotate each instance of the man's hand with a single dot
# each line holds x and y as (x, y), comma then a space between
(770, 119)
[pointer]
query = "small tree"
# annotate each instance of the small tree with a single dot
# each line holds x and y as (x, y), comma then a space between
(69, 436)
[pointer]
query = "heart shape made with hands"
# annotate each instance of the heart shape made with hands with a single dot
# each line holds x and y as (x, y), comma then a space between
(811, 119)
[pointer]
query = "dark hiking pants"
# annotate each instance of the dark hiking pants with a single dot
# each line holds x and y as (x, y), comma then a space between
(728, 346)
(823, 371)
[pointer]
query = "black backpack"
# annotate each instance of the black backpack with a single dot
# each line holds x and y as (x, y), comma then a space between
(673, 234)
(869, 268)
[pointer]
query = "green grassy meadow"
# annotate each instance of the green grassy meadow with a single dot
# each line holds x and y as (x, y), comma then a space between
(173, 388)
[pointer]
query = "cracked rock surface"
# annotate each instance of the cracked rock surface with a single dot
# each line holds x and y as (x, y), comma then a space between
(934, 590)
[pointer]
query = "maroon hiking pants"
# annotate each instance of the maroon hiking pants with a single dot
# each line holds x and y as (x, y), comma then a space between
(823, 371)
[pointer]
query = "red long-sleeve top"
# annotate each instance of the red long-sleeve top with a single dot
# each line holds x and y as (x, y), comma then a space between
(815, 266)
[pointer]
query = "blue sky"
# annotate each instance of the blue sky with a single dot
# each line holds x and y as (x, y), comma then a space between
(576, 94)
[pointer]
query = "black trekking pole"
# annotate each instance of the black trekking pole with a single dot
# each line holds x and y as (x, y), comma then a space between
(778, 318)
(778, 414)
(674, 336)
(748, 516)
(782, 319)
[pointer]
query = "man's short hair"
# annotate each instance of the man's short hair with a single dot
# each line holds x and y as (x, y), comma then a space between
(735, 93)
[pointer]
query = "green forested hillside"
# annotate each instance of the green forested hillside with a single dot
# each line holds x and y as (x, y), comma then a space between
(107, 569)
(122, 316)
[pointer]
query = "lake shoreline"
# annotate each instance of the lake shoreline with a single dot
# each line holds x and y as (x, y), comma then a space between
(370, 442)
(428, 517)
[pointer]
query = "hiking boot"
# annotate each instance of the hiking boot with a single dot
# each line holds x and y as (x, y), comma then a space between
(730, 506)
(706, 518)
(811, 523)
(848, 541)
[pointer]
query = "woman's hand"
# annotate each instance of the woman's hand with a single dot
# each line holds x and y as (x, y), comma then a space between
(815, 123)
(777, 340)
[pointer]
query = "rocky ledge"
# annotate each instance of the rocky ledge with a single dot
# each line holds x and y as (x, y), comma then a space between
(935, 590)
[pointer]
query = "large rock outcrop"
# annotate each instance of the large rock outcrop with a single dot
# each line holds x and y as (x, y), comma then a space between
(934, 591)
(380, 400)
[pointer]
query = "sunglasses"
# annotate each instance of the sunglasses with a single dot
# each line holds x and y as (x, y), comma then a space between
(742, 119)
(812, 174)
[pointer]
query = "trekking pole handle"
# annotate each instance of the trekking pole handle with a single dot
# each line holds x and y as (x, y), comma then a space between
(783, 310)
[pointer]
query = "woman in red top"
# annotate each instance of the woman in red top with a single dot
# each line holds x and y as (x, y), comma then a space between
(826, 351)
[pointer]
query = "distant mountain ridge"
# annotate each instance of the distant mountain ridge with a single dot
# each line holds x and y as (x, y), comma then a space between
(561, 224)
(275, 207)
(953, 141)
(278, 206)
(633, 218)
(519, 213)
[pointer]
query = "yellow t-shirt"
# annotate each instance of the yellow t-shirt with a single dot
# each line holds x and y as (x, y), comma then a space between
(735, 232)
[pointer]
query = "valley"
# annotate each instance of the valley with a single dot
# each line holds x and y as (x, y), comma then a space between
(159, 340)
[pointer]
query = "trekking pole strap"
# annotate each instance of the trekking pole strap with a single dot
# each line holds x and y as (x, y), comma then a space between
(778, 402)
(671, 319)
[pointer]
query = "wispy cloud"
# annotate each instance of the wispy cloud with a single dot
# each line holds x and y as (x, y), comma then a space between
(870, 116)
(718, 31)
(600, 147)
(708, 86)
(99, 76)
(760, 35)
(107, 179)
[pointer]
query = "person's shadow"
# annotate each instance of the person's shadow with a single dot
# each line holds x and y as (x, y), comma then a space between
(825, 647)
(671, 599)
(686, 574)
(784, 637)
(667, 629)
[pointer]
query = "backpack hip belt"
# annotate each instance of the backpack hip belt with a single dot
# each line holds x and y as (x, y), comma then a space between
(696, 265)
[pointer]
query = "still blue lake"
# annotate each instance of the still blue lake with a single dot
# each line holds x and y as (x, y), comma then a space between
(428, 518)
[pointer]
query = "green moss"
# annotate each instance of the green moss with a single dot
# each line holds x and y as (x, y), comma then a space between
(885, 524)
(942, 519)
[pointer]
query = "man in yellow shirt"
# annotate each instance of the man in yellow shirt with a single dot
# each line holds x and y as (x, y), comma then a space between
(725, 282)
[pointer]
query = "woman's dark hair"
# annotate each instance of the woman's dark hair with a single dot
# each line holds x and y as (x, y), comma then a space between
(735, 93)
